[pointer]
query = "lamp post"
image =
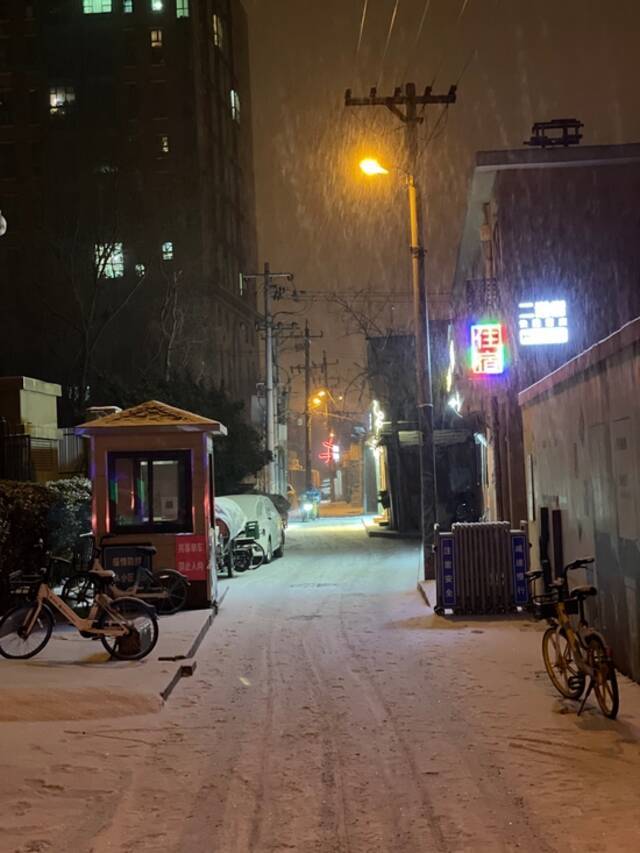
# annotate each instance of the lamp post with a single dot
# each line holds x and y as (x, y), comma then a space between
(428, 496)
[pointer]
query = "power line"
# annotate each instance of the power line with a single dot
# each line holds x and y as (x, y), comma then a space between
(388, 41)
(417, 39)
(365, 7)
(446, 48)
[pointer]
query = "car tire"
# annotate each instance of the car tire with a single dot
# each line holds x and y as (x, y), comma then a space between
(279, 552)
(268, 557)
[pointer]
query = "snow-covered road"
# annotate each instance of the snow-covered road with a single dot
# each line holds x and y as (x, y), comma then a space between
(332, 711)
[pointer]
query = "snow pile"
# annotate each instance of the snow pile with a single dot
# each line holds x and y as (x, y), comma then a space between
(40, 705)
(228, 511)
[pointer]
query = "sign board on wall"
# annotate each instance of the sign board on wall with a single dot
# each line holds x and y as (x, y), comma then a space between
(543, 323)
(487, 349)
(191, 557)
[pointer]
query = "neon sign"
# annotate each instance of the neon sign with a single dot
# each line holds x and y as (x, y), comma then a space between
(327, 454)
(487, 349)
(543, 323)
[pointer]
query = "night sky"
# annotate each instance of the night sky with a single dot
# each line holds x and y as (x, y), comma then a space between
(516, 61)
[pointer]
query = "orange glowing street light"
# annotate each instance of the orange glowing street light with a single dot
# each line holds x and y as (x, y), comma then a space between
(371, 166)
(428, 499)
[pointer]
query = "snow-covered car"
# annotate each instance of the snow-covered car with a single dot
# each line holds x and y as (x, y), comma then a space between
(264, 523)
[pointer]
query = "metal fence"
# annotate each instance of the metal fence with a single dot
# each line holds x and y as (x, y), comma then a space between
(15, 454)
(72, 457)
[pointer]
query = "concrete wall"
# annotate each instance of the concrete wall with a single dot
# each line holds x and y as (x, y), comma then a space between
(582, 455)
(30, 405)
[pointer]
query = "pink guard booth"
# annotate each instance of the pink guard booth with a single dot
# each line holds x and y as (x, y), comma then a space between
(151, 467)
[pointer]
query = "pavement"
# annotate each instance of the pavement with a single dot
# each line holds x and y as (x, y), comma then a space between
(332, 711)
(75, 672)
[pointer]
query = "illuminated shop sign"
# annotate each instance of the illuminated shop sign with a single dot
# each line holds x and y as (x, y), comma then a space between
(487, 349)
(543, 323)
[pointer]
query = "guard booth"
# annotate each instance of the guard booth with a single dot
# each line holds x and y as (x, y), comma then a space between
(151, 467)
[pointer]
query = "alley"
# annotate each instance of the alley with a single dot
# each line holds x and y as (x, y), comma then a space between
(332, 711)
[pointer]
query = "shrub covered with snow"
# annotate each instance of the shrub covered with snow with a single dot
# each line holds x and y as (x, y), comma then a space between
(24, 519)
(70, 514)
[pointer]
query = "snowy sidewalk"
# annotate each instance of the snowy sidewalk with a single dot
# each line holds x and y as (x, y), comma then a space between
(76, 672)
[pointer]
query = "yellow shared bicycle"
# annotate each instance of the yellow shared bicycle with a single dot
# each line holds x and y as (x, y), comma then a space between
(577, 659)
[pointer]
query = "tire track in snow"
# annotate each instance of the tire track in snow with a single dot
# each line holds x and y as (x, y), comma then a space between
(480, 769)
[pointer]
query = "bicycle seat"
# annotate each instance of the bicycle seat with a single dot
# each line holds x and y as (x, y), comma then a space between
(579, 564)
(533, 575)
(582, 592)
(103, 574)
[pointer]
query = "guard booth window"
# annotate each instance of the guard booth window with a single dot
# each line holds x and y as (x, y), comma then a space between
(150, 492)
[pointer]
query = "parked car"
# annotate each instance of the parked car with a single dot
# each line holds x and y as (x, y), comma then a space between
(264, 523)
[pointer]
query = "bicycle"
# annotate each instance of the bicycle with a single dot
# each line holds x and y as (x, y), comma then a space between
(167, 590)
(126, 627)
(246, 554)
(575, 658)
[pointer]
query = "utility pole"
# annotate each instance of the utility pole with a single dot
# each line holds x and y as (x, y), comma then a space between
(271, 291)
(280, 411)
(410, 101)
(307, 337)
(307, 410)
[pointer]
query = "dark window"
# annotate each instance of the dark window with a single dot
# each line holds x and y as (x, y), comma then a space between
(159, 99)
(150, 492)
(5, 54)
(7, 160)
(29, 52)
(4, 10)
(130, 47)
(34, 106)
(6, 113)
(36, 158)
(132, 104)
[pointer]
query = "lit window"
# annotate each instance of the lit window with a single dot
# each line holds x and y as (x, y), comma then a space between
(109, 259)
(140, 270)
(167, 251)
(151, 492)
(235, 105)
(61, 99)
(182, 8)
(218, 30)
(156, 38)
(242, 285)
(164, 144)
(157, 5)
(127, 6)
(97, 7)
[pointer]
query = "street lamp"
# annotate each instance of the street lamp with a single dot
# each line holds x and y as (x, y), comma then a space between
(371, 167)
(3, 225)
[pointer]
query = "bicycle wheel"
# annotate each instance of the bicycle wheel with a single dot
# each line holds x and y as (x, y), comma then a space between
(258, 556)
(175, 589)
(79, 592)
(141, 624)
(561, 667)
(605, 683)
(14, 643)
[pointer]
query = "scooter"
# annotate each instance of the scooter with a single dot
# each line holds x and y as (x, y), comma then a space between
(309, 507)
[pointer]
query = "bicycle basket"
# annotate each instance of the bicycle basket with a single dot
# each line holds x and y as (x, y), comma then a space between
(571, 606)
(544, 606)
(23, 583)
